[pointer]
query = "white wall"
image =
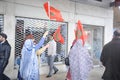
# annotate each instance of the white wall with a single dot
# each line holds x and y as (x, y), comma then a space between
(88, 14)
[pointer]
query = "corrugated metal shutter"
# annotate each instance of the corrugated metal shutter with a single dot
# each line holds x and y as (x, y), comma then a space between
(37, 27)
(1, 23)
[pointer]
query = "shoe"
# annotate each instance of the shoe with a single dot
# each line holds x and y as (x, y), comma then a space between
(56, 71)
(48, 76)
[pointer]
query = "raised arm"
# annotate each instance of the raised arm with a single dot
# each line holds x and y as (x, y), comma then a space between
(41, 50)
(41, 42)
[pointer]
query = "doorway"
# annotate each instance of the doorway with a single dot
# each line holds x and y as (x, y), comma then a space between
(94, 42)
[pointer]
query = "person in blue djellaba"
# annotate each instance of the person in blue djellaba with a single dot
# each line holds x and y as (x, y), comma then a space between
(29, 69)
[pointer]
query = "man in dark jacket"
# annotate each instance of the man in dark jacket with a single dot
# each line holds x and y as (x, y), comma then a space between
(5, 50)
(110, 58)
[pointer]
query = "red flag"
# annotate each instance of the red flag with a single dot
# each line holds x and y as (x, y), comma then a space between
(80, 33)
(61, 40)
(68, 75)
(57, 36)
(52, 13)
(47, 8)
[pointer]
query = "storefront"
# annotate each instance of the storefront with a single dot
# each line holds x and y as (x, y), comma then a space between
(37, 27)
(22, 16)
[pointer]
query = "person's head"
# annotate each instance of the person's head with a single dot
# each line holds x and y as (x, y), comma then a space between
(51, 36)
(3, 37)
(117, 33)
(30, 36)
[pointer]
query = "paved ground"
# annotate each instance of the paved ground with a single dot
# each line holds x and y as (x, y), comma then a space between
(95, 74)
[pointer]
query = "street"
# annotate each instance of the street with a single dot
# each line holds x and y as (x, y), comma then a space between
(95, 74)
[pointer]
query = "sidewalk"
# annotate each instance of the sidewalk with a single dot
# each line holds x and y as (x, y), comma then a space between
(95, 74)
(58, 76)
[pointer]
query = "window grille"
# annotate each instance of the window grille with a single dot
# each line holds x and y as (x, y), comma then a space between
(37, 27)
(1, 23)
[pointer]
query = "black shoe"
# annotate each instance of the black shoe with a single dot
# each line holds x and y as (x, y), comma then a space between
(48, 76)
(56, 71)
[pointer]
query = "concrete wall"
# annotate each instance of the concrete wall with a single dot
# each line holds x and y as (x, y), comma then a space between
(71, 12)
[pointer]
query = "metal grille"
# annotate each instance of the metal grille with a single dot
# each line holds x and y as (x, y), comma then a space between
(1, 23)
(37, 27)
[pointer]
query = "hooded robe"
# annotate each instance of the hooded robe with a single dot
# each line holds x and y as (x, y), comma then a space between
(29, 69)
(80, 61)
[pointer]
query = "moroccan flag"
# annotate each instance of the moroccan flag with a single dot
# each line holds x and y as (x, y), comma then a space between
(57, 36)
(52, 13)
(80, 33)
(62, 40)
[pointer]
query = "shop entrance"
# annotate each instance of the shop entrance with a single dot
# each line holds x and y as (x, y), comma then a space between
(94, 42)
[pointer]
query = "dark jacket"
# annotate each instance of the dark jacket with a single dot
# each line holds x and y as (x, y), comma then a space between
(5, 50)
(110, 58)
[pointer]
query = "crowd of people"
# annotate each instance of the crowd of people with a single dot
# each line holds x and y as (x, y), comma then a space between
(80, 61)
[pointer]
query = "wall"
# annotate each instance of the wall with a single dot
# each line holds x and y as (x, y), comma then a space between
(71, 12)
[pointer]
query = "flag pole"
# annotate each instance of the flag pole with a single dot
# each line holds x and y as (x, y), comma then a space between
(49, 10)
(47, 29)
(49, 15)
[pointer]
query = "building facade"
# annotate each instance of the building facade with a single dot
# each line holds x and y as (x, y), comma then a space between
(18, 16)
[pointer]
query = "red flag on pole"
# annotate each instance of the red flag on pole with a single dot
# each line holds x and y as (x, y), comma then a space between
(52, 13)
(57, 36)
(47, 8)
(80, 33)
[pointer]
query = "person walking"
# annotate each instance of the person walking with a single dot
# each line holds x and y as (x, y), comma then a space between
(80, 61)
(110, 58)
(51, 56)
(5, 50)
(29, 69)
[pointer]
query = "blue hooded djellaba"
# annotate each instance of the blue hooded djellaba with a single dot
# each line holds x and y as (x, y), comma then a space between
(29, 69)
